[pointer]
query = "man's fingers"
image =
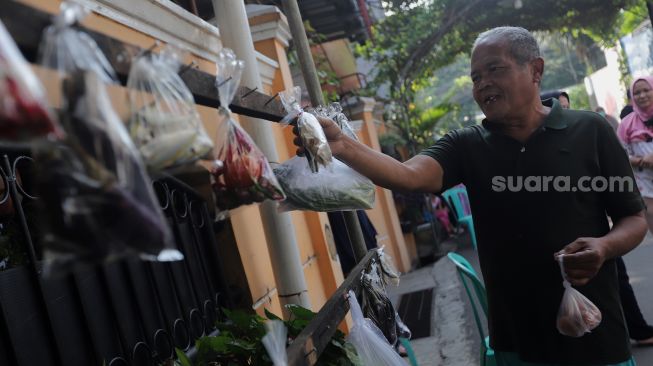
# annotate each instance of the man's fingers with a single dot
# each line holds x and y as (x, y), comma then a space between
(300, 151)
(574, 247)
(295, 131)
(297, 141)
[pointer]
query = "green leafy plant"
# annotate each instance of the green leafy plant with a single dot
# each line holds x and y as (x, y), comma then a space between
(239, 341)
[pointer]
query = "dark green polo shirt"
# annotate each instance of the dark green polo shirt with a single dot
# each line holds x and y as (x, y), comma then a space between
(518, 230)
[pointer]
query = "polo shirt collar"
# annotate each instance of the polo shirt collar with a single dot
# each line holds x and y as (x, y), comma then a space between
(554, 120)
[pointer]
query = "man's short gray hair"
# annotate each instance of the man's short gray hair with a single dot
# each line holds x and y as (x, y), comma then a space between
(522, 45)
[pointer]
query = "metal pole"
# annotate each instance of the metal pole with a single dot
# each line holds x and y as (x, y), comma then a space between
(279, 231)
(317, 98)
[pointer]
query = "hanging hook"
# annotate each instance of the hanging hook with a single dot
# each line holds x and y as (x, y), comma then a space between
(271, 99)
(224, 81)
(248, 93)
(186, 68)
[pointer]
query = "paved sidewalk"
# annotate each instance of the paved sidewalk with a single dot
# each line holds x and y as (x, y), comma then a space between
(453, 340)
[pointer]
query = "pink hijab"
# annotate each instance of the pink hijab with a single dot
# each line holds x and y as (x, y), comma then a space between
(632, 128)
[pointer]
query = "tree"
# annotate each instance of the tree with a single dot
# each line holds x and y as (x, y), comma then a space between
(420, 37)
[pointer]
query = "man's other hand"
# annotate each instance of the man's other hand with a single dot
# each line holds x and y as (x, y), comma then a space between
(582, 259)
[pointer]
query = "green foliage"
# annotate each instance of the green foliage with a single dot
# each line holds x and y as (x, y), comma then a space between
(239, 341)
(578, 97)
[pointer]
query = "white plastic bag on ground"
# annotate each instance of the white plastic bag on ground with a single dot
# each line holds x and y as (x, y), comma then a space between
(577, 314)
(372, 347)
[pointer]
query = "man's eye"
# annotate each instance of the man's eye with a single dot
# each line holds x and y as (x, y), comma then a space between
(475, 79)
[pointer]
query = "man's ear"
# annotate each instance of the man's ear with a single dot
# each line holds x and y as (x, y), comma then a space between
(538, 69)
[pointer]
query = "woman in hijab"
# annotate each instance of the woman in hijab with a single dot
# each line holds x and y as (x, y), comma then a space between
(636, 132)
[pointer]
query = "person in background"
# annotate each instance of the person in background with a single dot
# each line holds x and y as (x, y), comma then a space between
(636, 133)
(611, 120)
(628, 108)
(563, 97)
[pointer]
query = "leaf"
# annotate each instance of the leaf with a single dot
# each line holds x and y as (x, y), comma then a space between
(182, 358)
(271, 315)
(301, 313)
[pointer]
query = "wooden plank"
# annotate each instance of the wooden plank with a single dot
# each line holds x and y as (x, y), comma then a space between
(309, 344)
(26, 25)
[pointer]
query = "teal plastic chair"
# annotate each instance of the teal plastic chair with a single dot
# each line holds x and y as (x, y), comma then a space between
(409, 351)
(467, 275)
(457, 198)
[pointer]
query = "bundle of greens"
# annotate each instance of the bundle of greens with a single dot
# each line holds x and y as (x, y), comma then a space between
(335, 188)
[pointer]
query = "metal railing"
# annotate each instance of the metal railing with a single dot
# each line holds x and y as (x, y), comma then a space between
(124, 312)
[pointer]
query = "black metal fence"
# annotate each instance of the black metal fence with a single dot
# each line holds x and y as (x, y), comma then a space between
(125, 312)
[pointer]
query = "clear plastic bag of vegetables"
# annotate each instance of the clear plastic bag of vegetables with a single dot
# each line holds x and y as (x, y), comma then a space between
(164, 124)
(316, 146)
(334, 188)
(24, 113)
(241, 174)
(98, 201)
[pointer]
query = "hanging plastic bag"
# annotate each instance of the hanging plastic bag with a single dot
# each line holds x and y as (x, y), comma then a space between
(334, 112)
(275, 341)
(164, 124)
(241, 173)
(372, 347)
(24, 113)
(316, 146)
(377, 306)
(98, 200)
(64, 47)
(577, 314)
(335, 188)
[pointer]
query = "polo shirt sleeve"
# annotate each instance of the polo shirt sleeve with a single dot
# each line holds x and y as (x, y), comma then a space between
(621, 199)
(448, 152)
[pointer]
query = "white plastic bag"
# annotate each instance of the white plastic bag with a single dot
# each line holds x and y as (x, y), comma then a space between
(274, 342)
(372, 347)
(316, 146)
(335, 188)
(577, 314)
(165, 124)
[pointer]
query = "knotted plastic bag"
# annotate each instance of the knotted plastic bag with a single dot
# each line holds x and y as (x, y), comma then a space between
(336, 187)
(577, 314)
(316, 146)
(24, 113)
(65, 47)
(98, 200)
(164, 124)
(370, 344)
(241, 174)
(376, 304)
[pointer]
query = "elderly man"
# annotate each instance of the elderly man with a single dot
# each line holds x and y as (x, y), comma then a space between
(521, 228)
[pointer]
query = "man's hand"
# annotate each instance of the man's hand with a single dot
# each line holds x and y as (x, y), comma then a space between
(583, 259)
(332, 132)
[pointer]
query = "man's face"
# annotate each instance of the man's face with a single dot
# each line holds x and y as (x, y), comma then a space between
(502, 88)
(564, 102)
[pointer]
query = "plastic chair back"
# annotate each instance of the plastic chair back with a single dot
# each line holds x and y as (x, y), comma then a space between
(468, 276)
(457, 197)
